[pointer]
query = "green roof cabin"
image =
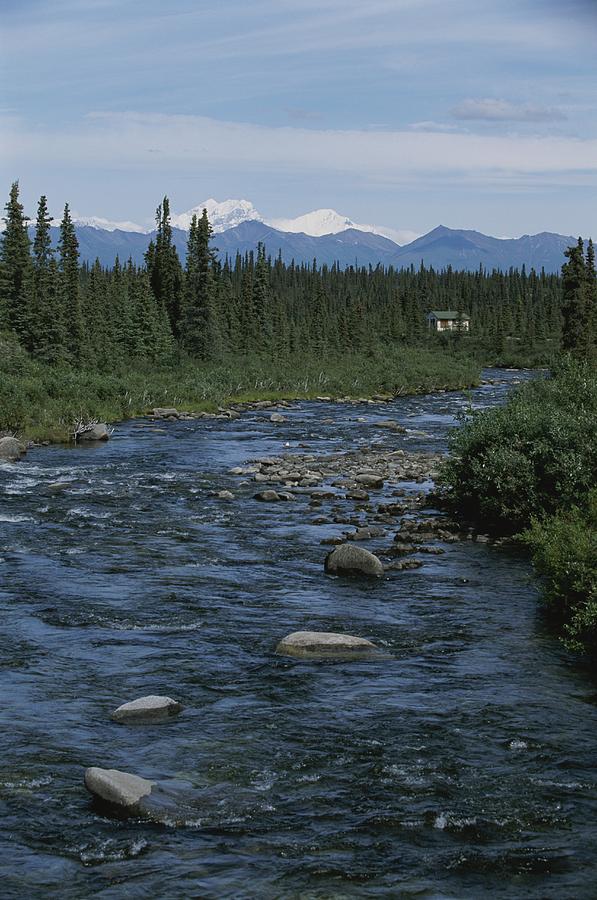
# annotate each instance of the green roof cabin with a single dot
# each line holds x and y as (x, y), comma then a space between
(447, 320)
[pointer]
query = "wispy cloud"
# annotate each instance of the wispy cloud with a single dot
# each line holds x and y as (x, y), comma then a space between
(432, 126)
(182, 143)
(494, 110)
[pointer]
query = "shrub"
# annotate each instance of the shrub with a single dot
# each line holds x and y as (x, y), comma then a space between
(564, 549)
(531, 457)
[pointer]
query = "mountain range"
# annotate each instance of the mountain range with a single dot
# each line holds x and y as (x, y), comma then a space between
(328, 237)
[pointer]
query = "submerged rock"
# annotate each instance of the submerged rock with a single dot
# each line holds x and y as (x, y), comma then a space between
(350, 560)
(325, 645)
(11, 449)
(267, 496)
(225, 495)
(152, 709)
(395, 426)
(273, 496)
(365, 533)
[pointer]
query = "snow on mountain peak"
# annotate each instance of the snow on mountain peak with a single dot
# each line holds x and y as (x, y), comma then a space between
(316, 223)
(106, 224)
(328, 221)
(222, 215)
(226, 214)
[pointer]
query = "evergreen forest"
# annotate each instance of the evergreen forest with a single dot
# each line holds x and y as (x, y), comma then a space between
(116, 340)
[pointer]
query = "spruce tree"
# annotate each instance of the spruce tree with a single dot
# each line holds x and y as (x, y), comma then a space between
(201, 332)
(49, 329)
(261, 301)
(69, 292)
(576, 331)
(15, 270)
(164, 268)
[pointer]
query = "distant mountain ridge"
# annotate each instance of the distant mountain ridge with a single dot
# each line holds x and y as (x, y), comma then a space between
(440, 248)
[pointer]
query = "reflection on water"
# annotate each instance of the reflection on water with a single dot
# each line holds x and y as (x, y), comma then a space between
(461, 766)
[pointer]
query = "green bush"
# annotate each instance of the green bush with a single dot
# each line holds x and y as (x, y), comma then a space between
(530, 468)
(533, 456)
(564, 549)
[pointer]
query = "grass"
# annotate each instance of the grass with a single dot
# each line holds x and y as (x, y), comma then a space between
(38, 402)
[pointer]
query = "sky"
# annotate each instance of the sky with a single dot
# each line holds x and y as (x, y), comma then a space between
(405, 113)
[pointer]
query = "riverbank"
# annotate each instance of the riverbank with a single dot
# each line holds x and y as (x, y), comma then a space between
(43, 403)
(529, 469)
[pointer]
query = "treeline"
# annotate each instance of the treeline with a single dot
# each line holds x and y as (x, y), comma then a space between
(65, 313)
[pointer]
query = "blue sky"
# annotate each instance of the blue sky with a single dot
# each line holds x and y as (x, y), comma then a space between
(405, 113)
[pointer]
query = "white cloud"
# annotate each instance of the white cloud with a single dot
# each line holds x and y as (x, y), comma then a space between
(494, 110)
(177, 145)
(432, 126)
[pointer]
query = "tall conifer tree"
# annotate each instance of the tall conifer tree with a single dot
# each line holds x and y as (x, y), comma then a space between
(15, 270)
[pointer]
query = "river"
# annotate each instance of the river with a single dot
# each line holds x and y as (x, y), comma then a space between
(462, 765)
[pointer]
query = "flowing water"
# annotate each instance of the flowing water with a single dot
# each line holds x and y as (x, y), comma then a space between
(462, 766)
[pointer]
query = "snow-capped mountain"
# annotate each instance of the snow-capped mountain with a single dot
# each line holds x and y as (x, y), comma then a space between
(107, 225)
(316, 223)
(328, 221)
(222, 215)
(230, 213)
(226, 214)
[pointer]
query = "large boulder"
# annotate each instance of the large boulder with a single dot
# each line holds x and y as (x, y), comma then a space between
(11, 449)
(147, 710)
(350, 560)
(325, 645)
(97, 432)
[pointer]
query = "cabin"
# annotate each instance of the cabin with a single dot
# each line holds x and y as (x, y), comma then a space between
(447, 320)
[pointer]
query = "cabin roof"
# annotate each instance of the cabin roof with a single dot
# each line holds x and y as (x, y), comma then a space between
(447, 314)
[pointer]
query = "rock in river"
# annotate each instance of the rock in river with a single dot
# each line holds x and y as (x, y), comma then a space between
(165, 412)
(370, 479)
(117, 788)
(325, 645)
(124, 794)
(277, 417)
(98, 432)
(350, 560)
(147, 710)
(273, 496)
(11, 449)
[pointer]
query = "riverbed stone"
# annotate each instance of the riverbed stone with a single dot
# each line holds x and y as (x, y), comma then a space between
(268, 496)
(11, 449)
(225, 495)
(277, 418)
(97, 432)
(325, 645)
(394, 426)
(165, 412)
(152, 709)
(370, 479)
(350, 560)
(365, 533)
(119, 789)
(124, 794)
